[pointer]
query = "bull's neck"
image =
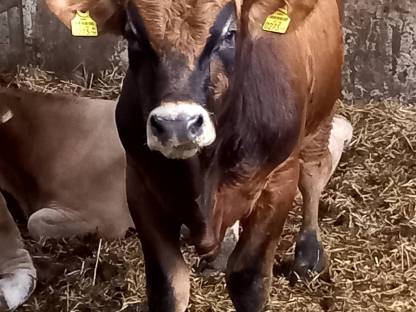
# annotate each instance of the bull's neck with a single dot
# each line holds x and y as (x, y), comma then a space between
(260, 121)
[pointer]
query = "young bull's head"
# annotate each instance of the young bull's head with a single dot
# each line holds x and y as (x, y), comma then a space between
(180, 55)
(183, 51)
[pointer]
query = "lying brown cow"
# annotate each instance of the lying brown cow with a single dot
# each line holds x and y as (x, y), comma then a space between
(62, 161)
(223, 121)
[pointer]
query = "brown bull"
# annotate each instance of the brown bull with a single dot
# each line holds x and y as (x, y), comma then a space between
(223, 121)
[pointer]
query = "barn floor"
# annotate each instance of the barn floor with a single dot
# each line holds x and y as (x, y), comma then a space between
(368, 220)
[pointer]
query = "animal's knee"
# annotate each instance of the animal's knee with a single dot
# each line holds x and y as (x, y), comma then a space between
(169, 295)
(16, 288)
(227, 246)
(181, 286)
(168, 286)
(54, 223)
(44, 223)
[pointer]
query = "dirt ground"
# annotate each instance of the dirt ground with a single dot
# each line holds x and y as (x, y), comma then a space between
(367, 216)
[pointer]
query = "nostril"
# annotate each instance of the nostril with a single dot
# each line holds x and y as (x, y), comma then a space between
(199, 121)
(156, 125)
(195, 125)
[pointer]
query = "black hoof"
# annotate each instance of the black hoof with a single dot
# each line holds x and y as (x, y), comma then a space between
(309, 255)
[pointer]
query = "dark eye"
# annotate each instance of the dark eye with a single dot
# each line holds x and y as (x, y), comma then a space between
(230, 35)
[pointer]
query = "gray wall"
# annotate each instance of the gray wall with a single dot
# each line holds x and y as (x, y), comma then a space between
(12, 42)
(47, 42)
(380, 38)
(380, 59)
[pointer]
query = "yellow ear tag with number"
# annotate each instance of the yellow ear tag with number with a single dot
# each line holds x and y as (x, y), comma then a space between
(278, 22)
(82, 25)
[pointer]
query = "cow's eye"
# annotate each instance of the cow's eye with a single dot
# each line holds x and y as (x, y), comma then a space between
(222, 36)
(230, 35)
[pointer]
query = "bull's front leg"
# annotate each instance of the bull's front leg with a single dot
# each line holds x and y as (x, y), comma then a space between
(249, 271)
(17, 273)
(167, 275)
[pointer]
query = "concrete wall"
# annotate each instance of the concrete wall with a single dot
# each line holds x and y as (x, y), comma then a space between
(47, 42)
(12, 43)
(380, 38)
(380, 60)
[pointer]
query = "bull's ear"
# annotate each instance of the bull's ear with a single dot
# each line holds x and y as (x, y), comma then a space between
(108, 14)
(134, 26)
(238, 5)
(135, 30)
(298, 10)
(5, 113)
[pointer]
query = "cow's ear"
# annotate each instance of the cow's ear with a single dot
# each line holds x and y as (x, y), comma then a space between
(134, 26)
(135, 30)
(298, 10)
(238, 5)
(108, 14)
(5, 113)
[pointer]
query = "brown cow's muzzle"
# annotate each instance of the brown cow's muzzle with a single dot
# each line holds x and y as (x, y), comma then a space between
(179, 130)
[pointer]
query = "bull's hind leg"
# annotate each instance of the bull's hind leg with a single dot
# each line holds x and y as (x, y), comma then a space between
(17, 273)
(320, 158)
(249, 271)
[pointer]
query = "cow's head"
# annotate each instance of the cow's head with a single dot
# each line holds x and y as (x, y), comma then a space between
(181, 54)
(183, 50)
(187, 51)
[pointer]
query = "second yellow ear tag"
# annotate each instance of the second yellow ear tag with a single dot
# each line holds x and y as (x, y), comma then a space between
(82, 25)
(278, 22)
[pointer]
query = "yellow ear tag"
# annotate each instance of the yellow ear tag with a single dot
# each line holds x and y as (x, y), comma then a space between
(278, 22)
(82, 25)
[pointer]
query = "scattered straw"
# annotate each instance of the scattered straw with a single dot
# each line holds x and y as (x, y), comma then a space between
(96, 262)
(367, 216)
(106, 85)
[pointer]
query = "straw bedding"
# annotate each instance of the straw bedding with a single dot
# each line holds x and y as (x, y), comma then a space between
(367, 216)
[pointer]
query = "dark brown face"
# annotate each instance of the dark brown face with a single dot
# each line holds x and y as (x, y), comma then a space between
(180, 60)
